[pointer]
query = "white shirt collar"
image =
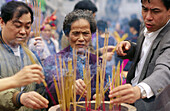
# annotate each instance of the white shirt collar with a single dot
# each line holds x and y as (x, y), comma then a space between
(16, 50)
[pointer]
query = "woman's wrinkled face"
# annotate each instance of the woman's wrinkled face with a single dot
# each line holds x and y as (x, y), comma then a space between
(80, 34)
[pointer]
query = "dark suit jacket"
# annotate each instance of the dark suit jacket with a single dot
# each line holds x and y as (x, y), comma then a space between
(156, 71)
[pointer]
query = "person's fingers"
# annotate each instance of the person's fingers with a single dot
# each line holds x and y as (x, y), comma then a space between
(38, 38)
(29, 74)
(37, 69)
(36, 78)
(121, 47)
(26, 100)
(40, 100)
(127, 46)
(121, 90)
(34, 100)
(79, 91)
(94, 96)
(82, 83)
(80, 87)
(38, 41)
(35, 66)
(32, 104)
(125, 93)
(37, 72)
(128, 98)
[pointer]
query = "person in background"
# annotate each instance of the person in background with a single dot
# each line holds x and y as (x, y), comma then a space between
(86, 5)
(134, 26)
(55, 30)
(15, 21)
(45, 45)
(149, 73)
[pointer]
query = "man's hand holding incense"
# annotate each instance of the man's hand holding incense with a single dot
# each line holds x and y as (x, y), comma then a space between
(33, 100)
(80, 87)
(121, 47)
(29, 74)
(124, 94)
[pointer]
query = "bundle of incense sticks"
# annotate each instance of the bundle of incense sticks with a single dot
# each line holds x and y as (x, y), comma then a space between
(101, 71)
(37, 15)
(65, 85)
(118, 38)
(97, 73)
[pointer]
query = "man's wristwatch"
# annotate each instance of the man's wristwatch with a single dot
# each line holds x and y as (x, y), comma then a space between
(142, 92)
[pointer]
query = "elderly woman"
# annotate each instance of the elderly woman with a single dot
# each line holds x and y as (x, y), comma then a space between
(78, 26)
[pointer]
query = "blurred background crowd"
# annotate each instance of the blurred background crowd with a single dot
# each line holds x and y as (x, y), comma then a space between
(120, 16)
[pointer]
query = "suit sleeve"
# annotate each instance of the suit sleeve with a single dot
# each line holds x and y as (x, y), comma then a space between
(160, 77)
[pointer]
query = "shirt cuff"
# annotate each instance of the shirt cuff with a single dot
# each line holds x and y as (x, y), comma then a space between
(147, 88)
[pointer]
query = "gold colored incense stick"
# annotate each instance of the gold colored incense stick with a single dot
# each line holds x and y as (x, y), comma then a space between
(97, 75)
(59, 85)
(62, 85)
(75, 64)
(124, 37)
(71, 77)
(121, 74)
(39, 15)
(111, 88)
(57, 89)
(88, 76)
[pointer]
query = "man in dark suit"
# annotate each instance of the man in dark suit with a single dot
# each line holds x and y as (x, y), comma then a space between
(149, 73)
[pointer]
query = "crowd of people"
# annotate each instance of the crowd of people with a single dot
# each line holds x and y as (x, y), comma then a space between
(27, 60)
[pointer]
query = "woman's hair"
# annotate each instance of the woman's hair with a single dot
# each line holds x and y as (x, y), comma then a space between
(76, 15)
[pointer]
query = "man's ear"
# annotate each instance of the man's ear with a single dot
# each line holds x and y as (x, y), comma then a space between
(169, 13)
(2, 23)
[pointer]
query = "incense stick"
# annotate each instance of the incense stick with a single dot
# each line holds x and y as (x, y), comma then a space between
(74, 89)
(57, 89)
(62, 85)
(111, 88)
(28, 52)
(97, 75)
